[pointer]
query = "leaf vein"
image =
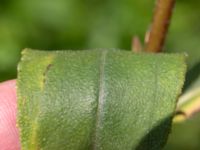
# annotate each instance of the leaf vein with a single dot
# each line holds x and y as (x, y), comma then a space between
(101, 99)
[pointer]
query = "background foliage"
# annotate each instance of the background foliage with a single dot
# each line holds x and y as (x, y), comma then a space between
(87, 24)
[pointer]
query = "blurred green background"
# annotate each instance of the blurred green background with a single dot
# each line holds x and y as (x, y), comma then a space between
(87, 24)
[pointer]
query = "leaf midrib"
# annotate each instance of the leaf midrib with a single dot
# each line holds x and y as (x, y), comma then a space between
(101, 98)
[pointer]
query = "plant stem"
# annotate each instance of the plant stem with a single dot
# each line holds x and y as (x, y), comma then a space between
(188, 106)
(160, 25)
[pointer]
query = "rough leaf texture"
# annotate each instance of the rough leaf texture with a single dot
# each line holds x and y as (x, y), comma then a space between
(97, 99)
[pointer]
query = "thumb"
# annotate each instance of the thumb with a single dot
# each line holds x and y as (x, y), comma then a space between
(9, 137)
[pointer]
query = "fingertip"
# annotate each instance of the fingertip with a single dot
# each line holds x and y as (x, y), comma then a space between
(9, 136)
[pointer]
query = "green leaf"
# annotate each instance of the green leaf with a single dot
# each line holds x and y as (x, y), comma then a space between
(97, 99)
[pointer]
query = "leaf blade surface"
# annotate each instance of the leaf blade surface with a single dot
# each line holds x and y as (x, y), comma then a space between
(97, 99)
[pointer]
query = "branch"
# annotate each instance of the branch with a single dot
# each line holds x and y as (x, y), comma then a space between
(160, 25)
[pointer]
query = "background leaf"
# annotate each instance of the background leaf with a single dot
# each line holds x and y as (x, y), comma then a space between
(185, 135)
(97, 99)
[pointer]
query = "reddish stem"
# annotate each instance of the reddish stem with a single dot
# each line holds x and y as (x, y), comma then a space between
(160, 25)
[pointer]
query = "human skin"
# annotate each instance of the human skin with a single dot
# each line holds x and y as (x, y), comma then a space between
(9, 136)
